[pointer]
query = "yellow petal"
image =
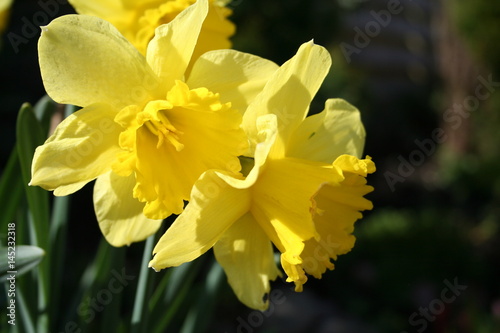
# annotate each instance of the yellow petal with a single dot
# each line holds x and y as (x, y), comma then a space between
(294, 272)
(102, 8)
(267, 126)
(354, 165)
(216, 30)
(123, 16)
(338, 207)
(4, 13)
(5, 4)
(214, 206)
(68, 189)
(282, 201)
(238, 77)
(85, 60)
(325, 136)
(118, 213)
(289, 92)
(170, 51)
(82, 148)
(246, 254)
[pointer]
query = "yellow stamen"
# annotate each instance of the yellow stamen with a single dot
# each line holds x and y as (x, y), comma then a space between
(164, 129)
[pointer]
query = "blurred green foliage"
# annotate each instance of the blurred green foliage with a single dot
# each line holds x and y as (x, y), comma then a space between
(478, 23)
(441, 224)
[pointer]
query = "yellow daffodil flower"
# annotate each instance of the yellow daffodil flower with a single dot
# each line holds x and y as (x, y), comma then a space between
(145, 131)
(137, 20)
(4, 13)
(302, 188)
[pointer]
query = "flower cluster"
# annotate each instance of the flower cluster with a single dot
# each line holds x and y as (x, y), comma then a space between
(164, 122)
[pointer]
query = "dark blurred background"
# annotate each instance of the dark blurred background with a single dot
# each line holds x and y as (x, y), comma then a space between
(425, 75)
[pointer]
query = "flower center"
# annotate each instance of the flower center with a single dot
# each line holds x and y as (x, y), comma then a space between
(163, 129)
(168, 143)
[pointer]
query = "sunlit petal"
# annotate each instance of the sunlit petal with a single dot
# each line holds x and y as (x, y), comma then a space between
(325, 136)
(213, 208)
(237, 76)
(289, 92)
(82, 148)
(85, 60)
(246, 254)
(170, 51)
(118, 213)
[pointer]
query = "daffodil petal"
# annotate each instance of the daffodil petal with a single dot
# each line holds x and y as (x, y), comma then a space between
(267, 126)
(283, 196)
(325, 136)
(68, 189)
(294, 271)
(214, 206)
(352, 164)
(118, 213)
(216, 30)
(103, 8)
(238, 77)
(5, 4)
(83, 147)
(85, 60)
(289, 92)
(246, 254)
(4, 13)
(170, 51)
(337, 207)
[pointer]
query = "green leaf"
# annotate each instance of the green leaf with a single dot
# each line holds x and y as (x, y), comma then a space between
(24, 311)
(29, 135)
(11, 182)
(11, 190)
(201, 312)
(17, 260)
(171, 293)
(87, 284)
(44, 110)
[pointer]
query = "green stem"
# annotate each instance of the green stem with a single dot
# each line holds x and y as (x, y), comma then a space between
(57, 238)
(140, 313)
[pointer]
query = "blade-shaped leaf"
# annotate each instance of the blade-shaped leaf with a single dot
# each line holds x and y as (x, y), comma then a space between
(17, 260)
(29, 134)
(11, 190)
